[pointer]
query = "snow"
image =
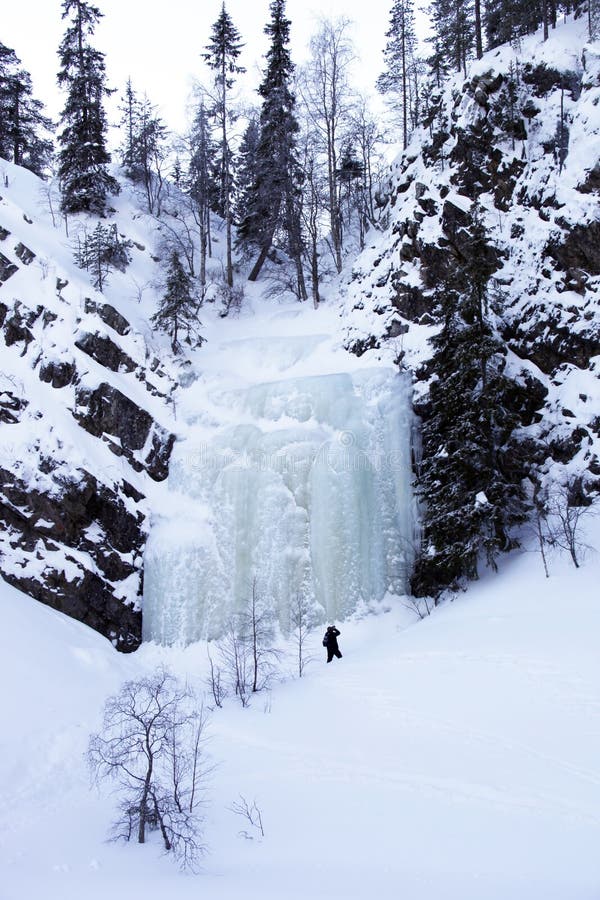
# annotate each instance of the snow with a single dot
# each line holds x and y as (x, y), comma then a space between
(456, 756)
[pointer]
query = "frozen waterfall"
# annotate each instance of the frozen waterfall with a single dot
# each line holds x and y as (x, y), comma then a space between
(302, 483)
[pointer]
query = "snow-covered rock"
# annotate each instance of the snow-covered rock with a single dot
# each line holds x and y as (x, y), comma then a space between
(86, 422)
(521, 138)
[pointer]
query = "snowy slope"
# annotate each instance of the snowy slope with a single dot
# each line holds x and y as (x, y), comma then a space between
(456, 757)
(86, 421)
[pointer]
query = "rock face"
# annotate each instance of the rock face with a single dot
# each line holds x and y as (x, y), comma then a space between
(73, 547)
(521, 143)
(129, 431)
(85, 429)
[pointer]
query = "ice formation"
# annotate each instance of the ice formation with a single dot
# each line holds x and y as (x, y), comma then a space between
(307, 490)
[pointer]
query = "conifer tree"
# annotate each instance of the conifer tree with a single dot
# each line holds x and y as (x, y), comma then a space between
(178, 309)
(274, 206)
(245, 171)
(508, 20)
(471, 494)
(24, 128)
(200, 182)
(130, 107)
(143, 149)
(453, 30)
(221, 56)
(83, 158)
(399, 56)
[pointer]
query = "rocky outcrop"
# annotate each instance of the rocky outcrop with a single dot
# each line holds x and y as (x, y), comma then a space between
(502, 143)
(129, 430)
(106, 352)
(72, 545)
(73, 523)
(109, 315)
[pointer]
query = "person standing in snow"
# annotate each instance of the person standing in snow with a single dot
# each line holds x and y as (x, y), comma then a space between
(330, 641)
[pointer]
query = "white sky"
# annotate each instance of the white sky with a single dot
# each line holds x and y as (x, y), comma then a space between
(160, 47)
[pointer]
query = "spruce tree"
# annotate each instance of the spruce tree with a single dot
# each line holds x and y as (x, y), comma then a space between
(221, 56)
(471, 494)
(399, 56)
(83, 158)
(453, 23)
(506, 21)
(246, 168)
(274, 206)
(178, 309)
(200, 183)
(24, 128)
(130, 107)
(144, 145)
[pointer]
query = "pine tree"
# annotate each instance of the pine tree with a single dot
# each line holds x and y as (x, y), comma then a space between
(274, 206)
(178, 310)
(100, 251)
(24, 128)
(130, 107)
(150, 154)
(246, 168)
(200, 182)
(399, 56)
(506, 21)
(221, 56)
(453, 30)
(144, 146)
(471, 494)
(98, 265)
(83, 158)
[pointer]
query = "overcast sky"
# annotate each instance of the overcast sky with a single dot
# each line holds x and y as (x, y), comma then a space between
(159, 46)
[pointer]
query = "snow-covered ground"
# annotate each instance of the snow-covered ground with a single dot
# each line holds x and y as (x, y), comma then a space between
(454, 757)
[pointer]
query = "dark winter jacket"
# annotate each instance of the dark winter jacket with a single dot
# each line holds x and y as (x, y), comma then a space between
(330, 638)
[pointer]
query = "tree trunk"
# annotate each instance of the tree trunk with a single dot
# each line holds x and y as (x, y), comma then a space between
(226, 190)
(478, 39)
(202, 255)
(404, 90)
(259, 262)
(314, 271)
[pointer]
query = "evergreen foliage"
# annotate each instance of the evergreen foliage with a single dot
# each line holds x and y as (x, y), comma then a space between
(221, 56)
(508, 20)
(246, 167)
(273, 209)
(453, 23)
(83, 158)
(99, 251)
(24, 128)
(471, 494)
(400, 59)
(178, 312)
(130, 107)
(200, 182)
(143, 150)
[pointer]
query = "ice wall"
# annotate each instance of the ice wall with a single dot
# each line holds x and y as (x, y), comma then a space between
(309, 491)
